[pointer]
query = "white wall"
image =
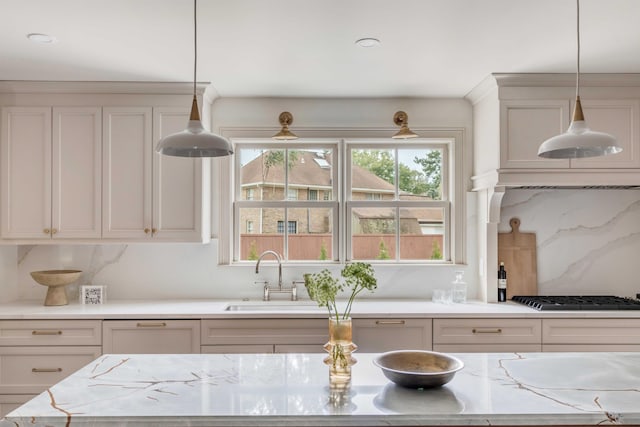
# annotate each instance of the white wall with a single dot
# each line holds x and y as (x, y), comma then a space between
(169, 270)
(588, 241)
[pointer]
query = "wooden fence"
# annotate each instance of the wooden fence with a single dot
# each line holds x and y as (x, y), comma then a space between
(364, 246)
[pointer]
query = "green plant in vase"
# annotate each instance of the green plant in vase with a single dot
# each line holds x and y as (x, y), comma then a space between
(323, 288)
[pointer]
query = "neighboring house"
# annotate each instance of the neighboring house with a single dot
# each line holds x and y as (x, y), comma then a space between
(310, 179)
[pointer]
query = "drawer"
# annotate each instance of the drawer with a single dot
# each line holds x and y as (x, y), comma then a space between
(265, 331)
(151, 336)
(488, 348)
(231, 349)
(50, 332)
(379, 335)
(33, 369)
(487, 331)
(9, 402)
(591, 331)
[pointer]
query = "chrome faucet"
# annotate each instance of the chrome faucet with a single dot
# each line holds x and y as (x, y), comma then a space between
(268, 290)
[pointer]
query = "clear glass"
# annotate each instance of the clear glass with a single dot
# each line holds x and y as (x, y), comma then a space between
(420, 174)
(442, 296)
(421, 233)
(373, 233)
(313, 239)
(255, 240)
(373, 174)
(262, 174)
(459, 288)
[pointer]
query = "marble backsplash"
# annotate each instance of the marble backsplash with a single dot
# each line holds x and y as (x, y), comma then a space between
(588, 241)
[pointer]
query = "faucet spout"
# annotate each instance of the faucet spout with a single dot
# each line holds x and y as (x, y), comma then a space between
(278, 258)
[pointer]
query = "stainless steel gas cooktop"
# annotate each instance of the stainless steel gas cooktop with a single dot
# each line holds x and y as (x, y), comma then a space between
(571, 302)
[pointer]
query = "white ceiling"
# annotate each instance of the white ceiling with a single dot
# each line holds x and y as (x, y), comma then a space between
(305, 48)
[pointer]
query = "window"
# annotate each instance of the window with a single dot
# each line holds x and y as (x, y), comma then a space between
(292, 227)
(393, 205)
(250, 194)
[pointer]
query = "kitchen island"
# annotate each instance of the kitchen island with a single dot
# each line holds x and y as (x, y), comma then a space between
(294, 390)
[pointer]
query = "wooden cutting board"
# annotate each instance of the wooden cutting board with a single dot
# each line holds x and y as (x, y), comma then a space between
(518, 252)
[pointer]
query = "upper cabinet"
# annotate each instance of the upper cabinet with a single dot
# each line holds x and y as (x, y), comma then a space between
(514, 114)
(51, 162)
(90, 173)
(147, 195)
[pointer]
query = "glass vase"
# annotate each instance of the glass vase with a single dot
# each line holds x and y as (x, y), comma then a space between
(340, 348)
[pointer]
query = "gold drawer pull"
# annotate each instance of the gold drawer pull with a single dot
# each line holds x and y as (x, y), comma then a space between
(46, 332)
(390, 322)
(151, 324)
(487, 331)
(46, 369)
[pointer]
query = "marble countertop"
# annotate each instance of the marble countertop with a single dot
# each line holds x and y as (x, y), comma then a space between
(293, 389)
(212, 309)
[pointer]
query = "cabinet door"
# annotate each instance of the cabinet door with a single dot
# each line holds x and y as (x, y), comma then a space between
(151, 336)
(524, 125)
(178, 184)
(126, 180)
(619, 118)
(25, 154)
(265, 331)
(9, 402)
(76, 173)
(377, 335)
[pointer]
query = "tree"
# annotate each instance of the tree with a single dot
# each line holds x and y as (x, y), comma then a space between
(383, 251)
(253, 251)
(435, 250)
(379, 162)
(413, 181)
(323, 252)
(432, 167)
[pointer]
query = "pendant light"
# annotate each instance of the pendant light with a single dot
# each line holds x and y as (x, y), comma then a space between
(285, 118)
(400, 118)
(579, 141)
(194, 141)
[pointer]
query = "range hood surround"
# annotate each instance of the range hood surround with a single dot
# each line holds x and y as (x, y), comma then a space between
(495, 169)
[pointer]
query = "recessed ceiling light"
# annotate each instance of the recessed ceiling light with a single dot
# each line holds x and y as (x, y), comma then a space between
(41, 38)
(368, 42)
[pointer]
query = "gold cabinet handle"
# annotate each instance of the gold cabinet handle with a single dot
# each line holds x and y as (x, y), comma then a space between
(54, 230)
(390, 322)
(46, 332)
(46, 369)
(151, 324)
(147, 231)
(154, 231)
(487, 331)
(46, 231)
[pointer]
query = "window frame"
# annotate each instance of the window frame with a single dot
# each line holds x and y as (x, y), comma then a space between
(396, 204)
(332, 145)
(226, 175)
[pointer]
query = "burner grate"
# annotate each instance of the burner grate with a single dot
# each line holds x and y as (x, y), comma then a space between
(588, 302)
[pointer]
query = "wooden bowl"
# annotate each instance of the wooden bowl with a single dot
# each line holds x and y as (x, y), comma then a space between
(56, 280)
(418, 368)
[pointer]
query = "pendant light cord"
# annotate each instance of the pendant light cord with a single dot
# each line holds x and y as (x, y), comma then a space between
(195, 43)
(578, 45)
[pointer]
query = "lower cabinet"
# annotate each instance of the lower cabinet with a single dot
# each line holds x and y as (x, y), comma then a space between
(35, 354)
(591, 335)
(380, 335)
(151, 336)
(285, 335)
(487, 335)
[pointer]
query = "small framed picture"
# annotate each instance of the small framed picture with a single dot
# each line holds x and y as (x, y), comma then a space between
(90, 294)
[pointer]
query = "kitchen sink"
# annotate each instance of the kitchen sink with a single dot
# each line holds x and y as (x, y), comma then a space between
(274, 306)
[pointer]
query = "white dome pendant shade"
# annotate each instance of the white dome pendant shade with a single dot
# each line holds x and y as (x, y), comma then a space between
(579, 141)
(194, 141)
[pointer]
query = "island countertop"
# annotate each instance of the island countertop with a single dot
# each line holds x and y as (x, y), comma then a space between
(294, 390)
